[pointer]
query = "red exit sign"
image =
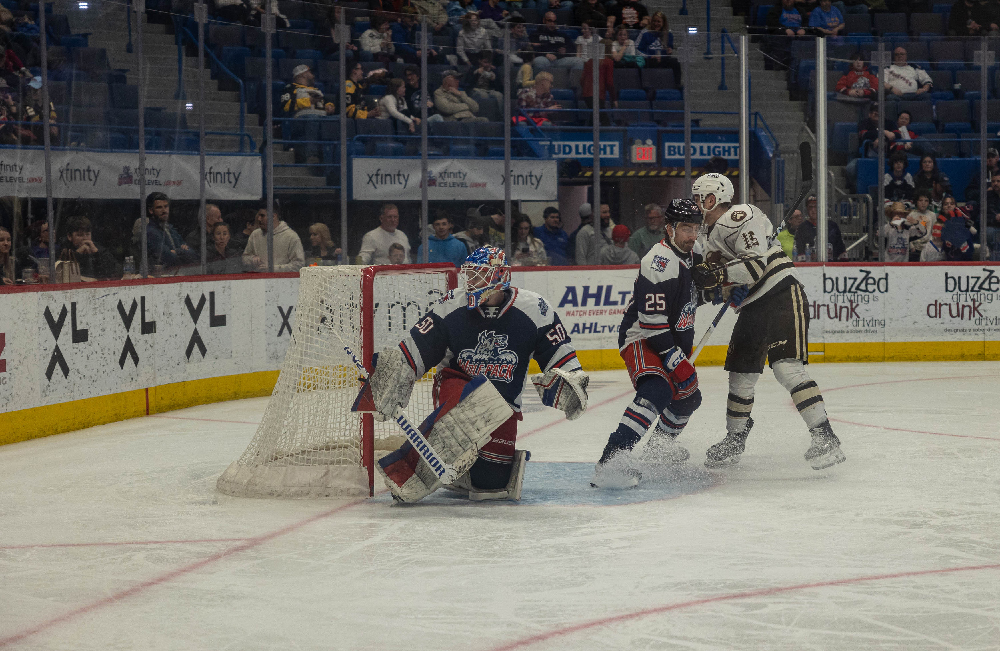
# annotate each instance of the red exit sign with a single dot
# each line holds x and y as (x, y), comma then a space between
(643, 154)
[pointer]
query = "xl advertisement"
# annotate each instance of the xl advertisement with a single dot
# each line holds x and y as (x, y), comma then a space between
(105, 175)
(469, 179)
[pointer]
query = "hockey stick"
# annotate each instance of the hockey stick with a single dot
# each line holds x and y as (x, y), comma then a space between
(806, 162)
(708, 333)
(445, 473)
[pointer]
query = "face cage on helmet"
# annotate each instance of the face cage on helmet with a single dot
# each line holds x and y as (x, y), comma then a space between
(481, 282)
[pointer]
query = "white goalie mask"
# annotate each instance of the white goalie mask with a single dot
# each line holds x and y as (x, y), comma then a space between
(712, 184)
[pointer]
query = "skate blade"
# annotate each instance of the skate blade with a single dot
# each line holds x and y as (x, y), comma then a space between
(731, 461)
(831, 458)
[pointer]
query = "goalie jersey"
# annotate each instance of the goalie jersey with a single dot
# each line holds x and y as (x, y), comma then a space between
(745, 232)
(497, 342)
(663, 301)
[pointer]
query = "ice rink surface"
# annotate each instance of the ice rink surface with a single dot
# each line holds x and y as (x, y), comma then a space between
(115, 538)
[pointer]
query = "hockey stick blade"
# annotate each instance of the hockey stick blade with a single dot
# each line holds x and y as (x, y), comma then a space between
(445, 473)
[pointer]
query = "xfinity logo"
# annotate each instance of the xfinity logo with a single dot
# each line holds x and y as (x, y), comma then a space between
(10, 168)
(70, 174)
(379, 178)
(227, 178)
(530, 180)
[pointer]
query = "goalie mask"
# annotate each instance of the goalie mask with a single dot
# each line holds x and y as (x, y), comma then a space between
(712, 184)
(486, 272)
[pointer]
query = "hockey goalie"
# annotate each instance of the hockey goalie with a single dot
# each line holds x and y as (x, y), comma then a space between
(481, 338)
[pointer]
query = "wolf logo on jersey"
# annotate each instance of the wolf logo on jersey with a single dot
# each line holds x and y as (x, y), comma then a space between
(490, 358)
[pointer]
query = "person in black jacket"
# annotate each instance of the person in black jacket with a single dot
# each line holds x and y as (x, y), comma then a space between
(805, 234)
(95, 262)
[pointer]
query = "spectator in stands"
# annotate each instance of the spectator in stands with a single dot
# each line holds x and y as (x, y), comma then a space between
(257, 9)
(165, 245)
(232, 11)
(412, 76)
(898, 182)
(212, 217)
(552, 47)
(787, 236)
(623, 50)
(785, 19)
(591, 238)
(628, 13)
(11, 67)
(617, 251)
(553, 237)
(656, 45)
(376, 242)
(528, 249)
(302, 100)
(354, 87)
(472, 39)
(537, 97)
(902, 138)
(95, 262)
(321, 244)
(454, 104)
(931, 181)
(375, 43)
(488, 10)
(334, 18)
(406, 37)
(993, 217)
(951, 211)
(956, 234)
(858, 84)
(442, 245)
(495, 234)
(934, 250)
(288, 252)
(827, 19)
(522, 52)
(222, 257)
(591, 12)
(9, 269)
(38, 247)
(476, 233)
(868, 131)
(393, 106)
(605, 87)
(248, 220)
(30, 110)
(926, 218)
(481, 80)
(388, 6)
(586, 41)
(896, 233)
(905, 81)
(969, 18)
(992, 166)
(437, 17)
(586, 218)
(643, 239)
(397, 254)
(805, 235)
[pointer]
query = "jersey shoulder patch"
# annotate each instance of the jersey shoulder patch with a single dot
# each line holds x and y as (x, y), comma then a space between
(660, 264)
(452, 300)
(534, 306)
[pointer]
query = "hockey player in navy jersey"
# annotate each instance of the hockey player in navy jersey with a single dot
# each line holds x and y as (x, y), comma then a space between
(483, 329)
(655, 340)
(773, 320)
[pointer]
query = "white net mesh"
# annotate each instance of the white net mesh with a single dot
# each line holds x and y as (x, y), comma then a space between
(309, 443)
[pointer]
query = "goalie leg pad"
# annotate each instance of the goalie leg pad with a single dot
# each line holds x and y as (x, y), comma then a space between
(512, 491)
(406, 475)
(564, 390)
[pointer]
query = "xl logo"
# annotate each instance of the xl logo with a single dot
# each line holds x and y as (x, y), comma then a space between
(214, 321)
(78, 336)
(146, 328)
(3, 344)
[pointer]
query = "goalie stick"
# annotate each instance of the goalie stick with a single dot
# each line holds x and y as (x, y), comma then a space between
(445, 473)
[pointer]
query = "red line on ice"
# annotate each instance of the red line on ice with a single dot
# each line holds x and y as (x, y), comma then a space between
(124, 542)
(749, 594)
(171, 575)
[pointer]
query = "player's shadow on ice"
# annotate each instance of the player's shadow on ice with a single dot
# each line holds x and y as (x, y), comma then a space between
(568, 484)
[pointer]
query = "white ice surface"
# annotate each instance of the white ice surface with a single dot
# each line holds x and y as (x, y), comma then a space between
(115, 538)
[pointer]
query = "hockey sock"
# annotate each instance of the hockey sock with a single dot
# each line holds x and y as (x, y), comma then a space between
(651, 397)
(792, 375)
(740, 401)
(673, 419)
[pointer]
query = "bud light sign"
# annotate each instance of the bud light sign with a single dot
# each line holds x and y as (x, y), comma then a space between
(704, 146)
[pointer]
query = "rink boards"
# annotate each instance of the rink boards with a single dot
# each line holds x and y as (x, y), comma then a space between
(75, 356)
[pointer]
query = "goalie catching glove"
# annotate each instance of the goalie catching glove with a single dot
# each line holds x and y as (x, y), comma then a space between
(563, 390)
(388, 387)
(683, 378)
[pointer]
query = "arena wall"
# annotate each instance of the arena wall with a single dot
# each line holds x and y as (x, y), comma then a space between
(75, 356)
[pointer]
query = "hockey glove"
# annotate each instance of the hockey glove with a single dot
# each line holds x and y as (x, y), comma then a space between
(563, 390)
(707, 275)
(716, 294)
(738, 294)
(683, 378)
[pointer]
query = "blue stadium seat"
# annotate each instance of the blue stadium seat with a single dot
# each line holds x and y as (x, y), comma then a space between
(632, 95)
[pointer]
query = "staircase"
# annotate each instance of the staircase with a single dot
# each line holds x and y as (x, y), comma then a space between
(106, 22)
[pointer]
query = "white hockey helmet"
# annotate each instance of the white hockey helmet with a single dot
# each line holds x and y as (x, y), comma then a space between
(714, 184)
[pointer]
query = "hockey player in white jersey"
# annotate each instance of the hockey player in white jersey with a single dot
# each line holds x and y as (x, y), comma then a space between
(773, 320)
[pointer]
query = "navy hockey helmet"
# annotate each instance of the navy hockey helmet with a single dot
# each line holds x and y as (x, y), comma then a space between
(683, 211)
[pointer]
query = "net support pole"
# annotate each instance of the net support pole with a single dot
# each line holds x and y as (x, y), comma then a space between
(983, 181)
(267, 25)
(507, 244)
(140, 174)
(343, 34)
(882, 61)
(596, 50)
(368, 350)
(821, 168)
(201, 16)
(424, 235)
(744, 118)
(50, 215)
(686, 46)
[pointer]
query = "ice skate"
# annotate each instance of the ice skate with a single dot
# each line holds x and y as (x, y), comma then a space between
(616, 470)
(825, 449)
(727, 452)
(661, 448)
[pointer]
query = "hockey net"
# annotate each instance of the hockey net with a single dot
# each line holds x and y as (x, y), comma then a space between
(309, 443)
